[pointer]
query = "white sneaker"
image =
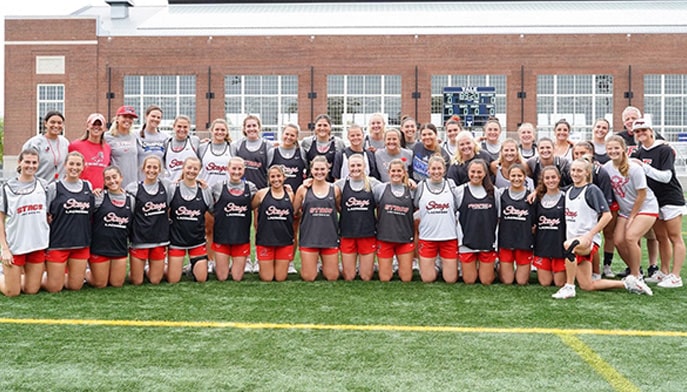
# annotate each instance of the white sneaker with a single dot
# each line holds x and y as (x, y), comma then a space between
(248, 269)
(292, 269)
(186, 270)
(596, 276)
(416, 265)
(656, 277)
(394, 265)
(636, 285)
(608, 272)
(565, 292)
(211, 266)
(670, 282)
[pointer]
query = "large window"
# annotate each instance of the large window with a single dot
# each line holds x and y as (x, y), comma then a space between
(351, 99)
(665, 103)
(441, 81)
(175, 94)
(50, 97)
(273, 98)
(580, 99)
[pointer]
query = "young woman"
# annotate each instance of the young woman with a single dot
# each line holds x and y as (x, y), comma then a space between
(477, 219)
(357, 221)
(545, 158)
(508, 156)
(658, 162)
(214, 156)
(586, 215)
(599, 134)
(150, 141)
(24, 229)
(638, 205)
(189, 199)
(97, 153)
(150, 227)
(232, 221)
(374, 139)
(423, 151)
(71, 205)
(563, 146)
(123, 145)
(452, 128)
(549, 213)
(322, 142)
(436, 204)
(274, 234)
(516, 218)
(318, 205)
(253, 149)
(395, 229)
(112, 220)
(491, 143)
(527, 136)
(179, 147)
(468, 149)
(392, 151)
(408, 132)
(356, 147)
(601, 179)
(51, 146)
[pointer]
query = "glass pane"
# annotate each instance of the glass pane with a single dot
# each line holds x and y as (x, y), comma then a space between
(604, 84)
(565, 104)
(459, 80)
(132, 85)
(583, 84)
(392, 84)
(437, 104)
(187, 84)
(673, 84)
(438, 83)
(252, 105)
(151, 85)
(604, 107)
(392, 106)
(544, 105)
(168, 85)
(498, 81)
(354, 105)
(565, 84)
(269, 112)
(544, 84)
(673, 111)
(232, 105)
(477, 80)
(232, 85)
(289, 105)
(289, 84)
(652, 84)
(372, 105)
(187, 106)
(652, 105)
(270, 84)
(335, 84)
(252, 85)
(335, 107)
(355, 84)
(373, 84)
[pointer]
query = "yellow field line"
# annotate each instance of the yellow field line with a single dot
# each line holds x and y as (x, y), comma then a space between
(603, 368)
(341, 327)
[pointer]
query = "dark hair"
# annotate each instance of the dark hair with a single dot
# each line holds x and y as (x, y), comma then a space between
(28, 151)
(324, 117)
(486, 181)
(563, 121)
(148, 110)
(53, 113)
(541, 187)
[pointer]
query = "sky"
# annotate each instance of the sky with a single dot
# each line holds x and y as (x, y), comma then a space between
(40, 8)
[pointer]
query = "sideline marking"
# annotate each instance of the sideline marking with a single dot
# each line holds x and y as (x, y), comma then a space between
(340, 327)
(603, 368)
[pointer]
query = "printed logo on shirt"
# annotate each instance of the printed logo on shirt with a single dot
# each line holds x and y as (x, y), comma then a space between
(72, 206)
(617, 183)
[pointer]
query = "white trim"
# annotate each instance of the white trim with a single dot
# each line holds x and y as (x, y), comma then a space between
(16, 43)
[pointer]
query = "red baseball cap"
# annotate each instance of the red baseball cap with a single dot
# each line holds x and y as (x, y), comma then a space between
(127, 111)
(95, 117)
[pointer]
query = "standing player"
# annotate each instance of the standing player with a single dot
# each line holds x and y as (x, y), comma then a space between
(355, 140)
(24, 229)
(123, 145)
(97, 153)
(323, 143)
(179, 147)
(253, 149)
(51, 146)
(468, 149)
(150, 141)
(71, 205)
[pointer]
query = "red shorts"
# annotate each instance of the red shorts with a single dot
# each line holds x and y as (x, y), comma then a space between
(387, 250)
(156, 253)
(519, 256)
(101, 259)
(62, 255)
(430, 249)
(589, 257)
(35, 257)
(363, 246)
(322, 251)
(269, 253)
(192, 252)
(549, 264)
(237, 250)
(482, 257)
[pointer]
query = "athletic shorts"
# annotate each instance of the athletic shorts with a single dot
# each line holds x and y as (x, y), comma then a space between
(447, 249)
(589, 257)
(101, 259)
(655, 215)
(321, 251)
(196, 251)
(269, 253)
(236, 250)
(35, 257)
(482, 257)
(387, 250)
(363, 246)
(62, 255)
(669, 212)
(549, 264)
(156, 253)
(519, 256)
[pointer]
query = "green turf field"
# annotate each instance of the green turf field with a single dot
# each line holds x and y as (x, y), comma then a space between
(357, 336)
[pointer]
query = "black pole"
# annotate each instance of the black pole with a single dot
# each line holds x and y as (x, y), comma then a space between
(110, 95)
(209, 97)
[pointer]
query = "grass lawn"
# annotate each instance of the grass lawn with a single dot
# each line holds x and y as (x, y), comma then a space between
(357, 336)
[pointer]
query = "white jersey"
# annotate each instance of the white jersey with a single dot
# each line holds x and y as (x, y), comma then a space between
(215, 161)
(26, 209)
(437, 213)
(175, 157)
(625, 189)
(580, 218)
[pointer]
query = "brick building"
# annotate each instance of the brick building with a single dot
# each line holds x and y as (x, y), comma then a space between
(289, 61)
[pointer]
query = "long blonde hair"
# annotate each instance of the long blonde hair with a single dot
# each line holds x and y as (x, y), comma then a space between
(624, 166)
(457, 158)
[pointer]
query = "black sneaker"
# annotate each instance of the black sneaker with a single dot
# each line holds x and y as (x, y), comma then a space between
(651, 270)
(627, 272)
